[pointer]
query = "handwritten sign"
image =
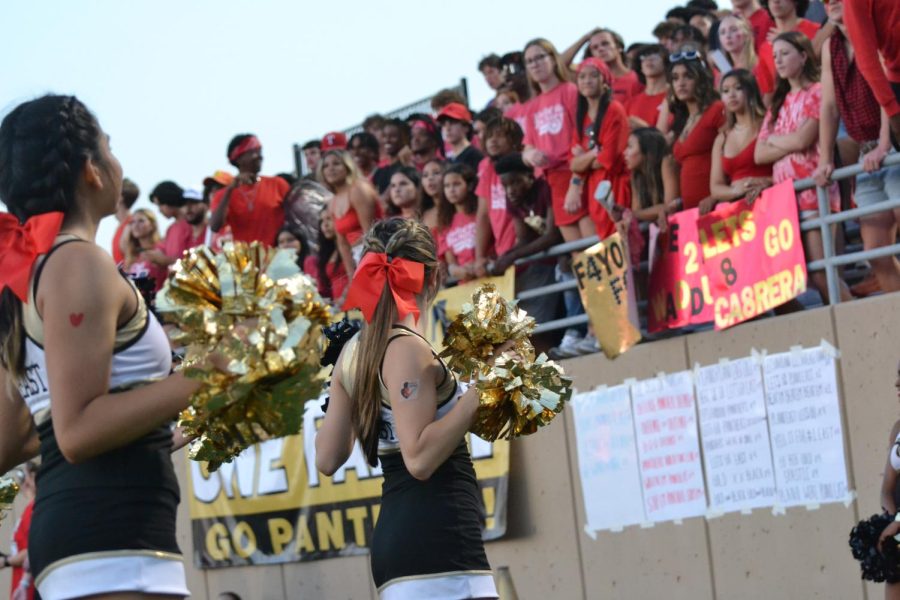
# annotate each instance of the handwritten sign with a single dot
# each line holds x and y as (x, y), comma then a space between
(730, 265)
(679, 288)
(607, 294)
(668, 447)
(805, 427)
(754, 256)
(607, 459)
(735, 436)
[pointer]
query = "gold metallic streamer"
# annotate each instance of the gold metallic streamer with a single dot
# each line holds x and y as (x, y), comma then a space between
(519, 393)
(251, 304)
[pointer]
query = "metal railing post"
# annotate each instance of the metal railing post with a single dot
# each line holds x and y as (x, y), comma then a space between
(831, 276)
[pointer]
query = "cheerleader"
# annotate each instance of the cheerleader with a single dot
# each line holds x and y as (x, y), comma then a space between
(392, 393)
(890, 492)
(85, 368)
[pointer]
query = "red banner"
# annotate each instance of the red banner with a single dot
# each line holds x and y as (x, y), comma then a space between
(729, 266)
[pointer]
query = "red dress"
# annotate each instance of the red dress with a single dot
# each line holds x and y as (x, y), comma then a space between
(614, 134)
(335, 272)
(551, 121)
(742, 165)
(348, 224)
(694, 155)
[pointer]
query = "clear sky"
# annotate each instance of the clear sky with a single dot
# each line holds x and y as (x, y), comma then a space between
(173, 80)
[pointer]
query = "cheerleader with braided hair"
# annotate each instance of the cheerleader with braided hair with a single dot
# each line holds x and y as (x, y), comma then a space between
(84, 368)
(392, 393)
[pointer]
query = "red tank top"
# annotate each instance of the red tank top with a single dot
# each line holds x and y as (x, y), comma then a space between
(742, 165)
(349, 226)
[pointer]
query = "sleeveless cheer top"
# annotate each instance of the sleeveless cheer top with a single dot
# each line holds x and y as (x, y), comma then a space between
(113, 513)
(447, 390)
(427, 542)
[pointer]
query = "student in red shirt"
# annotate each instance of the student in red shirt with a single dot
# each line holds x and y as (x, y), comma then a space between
(874, 28)
(251, 205)
(494, 230)
(456, 246)
(143, 247)
(405, 194)
(327, 267)
(433, 195)
(600, 137)
(644, 108)
(608, 46)
(130, 193)
(698, 115)
(788, 16)
(548, 136)
(759, 18)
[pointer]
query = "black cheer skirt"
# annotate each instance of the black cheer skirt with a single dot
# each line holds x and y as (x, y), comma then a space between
(428, 527)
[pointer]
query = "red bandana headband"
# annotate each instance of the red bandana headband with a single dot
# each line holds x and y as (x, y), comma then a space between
(251, 143)
(20, 245)
(405, 278)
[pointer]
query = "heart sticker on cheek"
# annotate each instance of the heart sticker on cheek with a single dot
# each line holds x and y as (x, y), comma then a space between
(76, 318)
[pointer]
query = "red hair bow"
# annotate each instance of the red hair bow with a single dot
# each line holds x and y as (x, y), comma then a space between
(20, 245)
(405, 277)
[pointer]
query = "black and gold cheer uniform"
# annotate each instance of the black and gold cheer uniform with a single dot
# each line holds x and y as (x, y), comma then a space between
(427, 541)
(106, 524)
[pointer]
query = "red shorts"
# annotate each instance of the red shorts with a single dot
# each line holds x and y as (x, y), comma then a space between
(559, 180)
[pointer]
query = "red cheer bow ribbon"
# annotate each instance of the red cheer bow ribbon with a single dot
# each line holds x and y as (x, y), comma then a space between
(405, 277)
(20, 245)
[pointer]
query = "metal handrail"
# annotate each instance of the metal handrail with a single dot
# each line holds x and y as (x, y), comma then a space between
(830, 262)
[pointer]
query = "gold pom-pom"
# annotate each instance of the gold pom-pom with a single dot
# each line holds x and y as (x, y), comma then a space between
(489, 321)
(518, 393)
(252, 304)
(8, 491)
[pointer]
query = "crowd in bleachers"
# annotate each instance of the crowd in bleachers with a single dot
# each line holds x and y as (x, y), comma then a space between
(599, 137)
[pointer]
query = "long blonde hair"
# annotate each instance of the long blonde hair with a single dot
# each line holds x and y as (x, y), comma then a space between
(398, 238)
(133, 249)
(559, 69)
(748, 55)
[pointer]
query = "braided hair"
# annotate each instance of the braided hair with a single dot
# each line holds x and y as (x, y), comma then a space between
(44, 144)
(398, 238)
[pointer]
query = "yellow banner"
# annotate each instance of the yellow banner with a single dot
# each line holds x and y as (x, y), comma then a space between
(271, 505)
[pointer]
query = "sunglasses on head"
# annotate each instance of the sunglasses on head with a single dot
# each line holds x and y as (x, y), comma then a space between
(683, 56)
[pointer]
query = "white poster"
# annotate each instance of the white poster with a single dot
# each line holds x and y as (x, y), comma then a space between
(731, 403)
(668, 447)
(607, 459)
(805, 427)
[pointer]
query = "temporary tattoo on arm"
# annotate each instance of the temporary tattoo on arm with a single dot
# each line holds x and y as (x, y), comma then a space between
(409, 389)
(76, 318)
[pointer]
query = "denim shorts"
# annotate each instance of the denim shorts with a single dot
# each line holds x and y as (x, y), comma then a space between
(872, 188)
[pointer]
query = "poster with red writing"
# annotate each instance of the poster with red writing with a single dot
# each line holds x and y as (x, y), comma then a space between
(753, 255)
(679, 287)
(668, 443)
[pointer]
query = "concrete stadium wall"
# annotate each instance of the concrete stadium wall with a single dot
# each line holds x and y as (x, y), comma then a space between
(802, 554)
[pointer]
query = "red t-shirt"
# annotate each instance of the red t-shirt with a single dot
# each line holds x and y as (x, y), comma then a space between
(459, 238)
(551, 121)
(20, 541)
(255, 212)
(760, 22)
(178, 238)
(614, 134)
(694, 155)
(519, 113)
(646, 107)
(117, 253)
(626, 87)
(491, 189)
